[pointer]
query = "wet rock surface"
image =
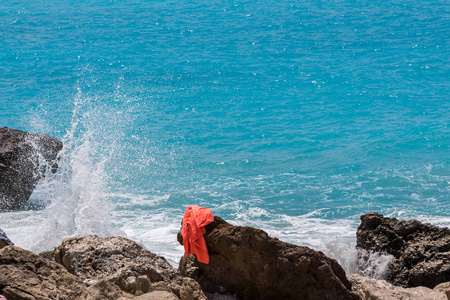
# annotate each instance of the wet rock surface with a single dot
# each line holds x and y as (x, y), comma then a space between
(249, 263)
(24, 159)
(421, 251)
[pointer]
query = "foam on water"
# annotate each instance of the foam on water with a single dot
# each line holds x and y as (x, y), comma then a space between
(369, 264)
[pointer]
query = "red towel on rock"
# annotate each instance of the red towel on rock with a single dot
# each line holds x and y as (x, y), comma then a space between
(193, 227)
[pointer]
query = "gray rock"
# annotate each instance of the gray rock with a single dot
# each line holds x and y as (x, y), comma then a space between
(24, 159)
(247, 262)
(421, 251)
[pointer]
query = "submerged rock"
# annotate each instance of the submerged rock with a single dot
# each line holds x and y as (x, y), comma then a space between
(249, 263)
(421, 251)
(123, 262)
(24, 160)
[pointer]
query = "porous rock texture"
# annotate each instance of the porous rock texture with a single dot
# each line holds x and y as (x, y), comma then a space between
(24, 159)
(249, 263)
(123, 262)
(105, 290)
(27, 276)
(372, 289)
(421, 251)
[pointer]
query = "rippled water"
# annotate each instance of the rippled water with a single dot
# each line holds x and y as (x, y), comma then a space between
(292, 116)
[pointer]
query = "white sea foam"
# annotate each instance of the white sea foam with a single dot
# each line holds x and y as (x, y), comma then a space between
(74, 196)
(369, 264)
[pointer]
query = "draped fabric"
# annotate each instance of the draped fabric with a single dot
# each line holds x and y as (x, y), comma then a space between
(194, 220)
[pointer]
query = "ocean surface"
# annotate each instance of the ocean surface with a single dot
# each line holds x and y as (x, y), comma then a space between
(295, 117)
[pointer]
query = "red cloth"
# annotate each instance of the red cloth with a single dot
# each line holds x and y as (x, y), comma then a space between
(194, 220)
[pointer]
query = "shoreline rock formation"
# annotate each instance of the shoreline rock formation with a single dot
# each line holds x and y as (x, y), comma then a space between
(248, 262)
(242, 259)
(92, 268)
(25, 275)
(421, 251)
(24, 159)
(119, 260)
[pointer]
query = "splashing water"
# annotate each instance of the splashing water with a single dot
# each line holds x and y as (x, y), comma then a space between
(358, 261)
(298, 137)
(75, 195)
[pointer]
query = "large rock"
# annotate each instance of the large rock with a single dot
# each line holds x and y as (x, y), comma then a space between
(246, 261)
(27, 276)
(108, 269)
(105, 290)
(123, 262)
(372, 289)
(421, 251)
(24, 159)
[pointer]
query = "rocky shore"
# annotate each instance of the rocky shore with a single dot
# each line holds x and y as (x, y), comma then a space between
(421, 251)
(245, 262)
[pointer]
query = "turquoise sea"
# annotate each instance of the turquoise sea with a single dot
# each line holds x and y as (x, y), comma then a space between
(295, 117)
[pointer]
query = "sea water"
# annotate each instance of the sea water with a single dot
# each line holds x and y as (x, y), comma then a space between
(295, 117)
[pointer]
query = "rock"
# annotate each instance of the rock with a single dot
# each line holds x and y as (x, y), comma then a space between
(442, 287)
(143, 284)
(50, 254)
(107, 268)
(117, 259)
(121, 261)
(421, 251)
(158, 295)
(249, 263)
(221, 297)
(4, 240)
(27, 276)
(105, 290)
(372, 289)
(191, 290)
(24, 159)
